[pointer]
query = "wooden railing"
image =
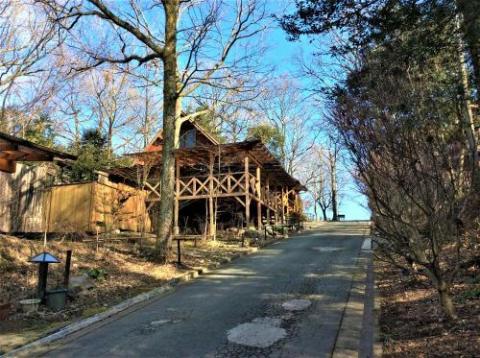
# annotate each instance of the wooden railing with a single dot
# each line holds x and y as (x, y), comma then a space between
(204, 186)
(227, 184)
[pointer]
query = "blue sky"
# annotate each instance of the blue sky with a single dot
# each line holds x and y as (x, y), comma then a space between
(284, 55)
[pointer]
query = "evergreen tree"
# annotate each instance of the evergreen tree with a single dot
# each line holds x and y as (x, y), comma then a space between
(269, 135)
(93, 155)
(430, 26)
(209, 122)
(40, 130)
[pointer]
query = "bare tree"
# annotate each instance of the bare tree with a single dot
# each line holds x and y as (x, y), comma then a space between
(148, 105)
(283, 106)
(319, 184)
(231, 109)
(26, 39)
(321, 174)
(332, 157)
(112, 98)
(72, 109)
(200, 36)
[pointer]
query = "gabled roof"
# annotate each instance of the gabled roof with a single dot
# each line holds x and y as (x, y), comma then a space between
(14, 149)
(230, 154)
(197, 126)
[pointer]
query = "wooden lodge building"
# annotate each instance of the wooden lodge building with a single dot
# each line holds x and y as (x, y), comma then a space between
(34, 198)
(219, 185)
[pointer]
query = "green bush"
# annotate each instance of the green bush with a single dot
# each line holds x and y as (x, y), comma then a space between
(252, 233)
(97, 274)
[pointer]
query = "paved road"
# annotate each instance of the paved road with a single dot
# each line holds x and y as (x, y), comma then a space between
(207, 317)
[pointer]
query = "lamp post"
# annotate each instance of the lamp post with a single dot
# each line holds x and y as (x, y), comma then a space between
(43, 259)
(264, 221)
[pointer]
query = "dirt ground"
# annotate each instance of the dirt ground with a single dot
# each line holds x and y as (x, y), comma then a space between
(412, 323)
(123, 269)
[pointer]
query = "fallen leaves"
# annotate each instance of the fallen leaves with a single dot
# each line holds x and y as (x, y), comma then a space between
(412, 323)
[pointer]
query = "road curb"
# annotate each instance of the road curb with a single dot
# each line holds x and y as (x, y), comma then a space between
(347, 343)
(30, 348)
(377, 303)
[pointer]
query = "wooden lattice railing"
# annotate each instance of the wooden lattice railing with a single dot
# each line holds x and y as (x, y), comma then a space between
(224, 185)
(199, 187)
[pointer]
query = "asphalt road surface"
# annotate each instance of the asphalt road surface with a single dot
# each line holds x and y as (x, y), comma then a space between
(287, 300)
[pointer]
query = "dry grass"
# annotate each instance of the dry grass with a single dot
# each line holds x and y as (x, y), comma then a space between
(128, 273)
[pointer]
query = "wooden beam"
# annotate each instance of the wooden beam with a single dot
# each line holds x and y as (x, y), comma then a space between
(152, 188)
(14, 156)
(206, 196)
(267, 196)
(176, 228)
(239, 200)
(259, 194)
(212, 228)
(247, 192)
(8, 147)
(287, 201)
(254, 160)
(229, 180)
(7, 166)
(35, 157)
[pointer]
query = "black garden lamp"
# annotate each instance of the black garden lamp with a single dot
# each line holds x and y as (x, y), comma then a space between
(43, 259)
(264, 222)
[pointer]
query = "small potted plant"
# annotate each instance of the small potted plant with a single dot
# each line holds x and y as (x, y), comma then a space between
(30, 304)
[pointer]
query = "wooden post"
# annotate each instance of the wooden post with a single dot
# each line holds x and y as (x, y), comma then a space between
(7, 166)
(176, 229)
(267, 199)
(287, 201)
(229, 181)
(247, 193)
(179, 253)
(259, 197)
(299, 204)
(96, 250)
(276, 211)
(283, 206)
(66, 276)
(210, 200)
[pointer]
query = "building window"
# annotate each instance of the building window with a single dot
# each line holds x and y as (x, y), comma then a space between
(188, 139)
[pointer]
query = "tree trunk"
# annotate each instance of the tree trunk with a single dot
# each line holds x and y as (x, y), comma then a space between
(446, 301)
(146, 126)
(170, 115)
(470, 28)
(324, 213)
(333, 177)
(469, 121)
(109, 139)
(332, 159)
(334, 206)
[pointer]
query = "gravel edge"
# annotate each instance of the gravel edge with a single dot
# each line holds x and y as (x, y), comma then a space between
(348, 342)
